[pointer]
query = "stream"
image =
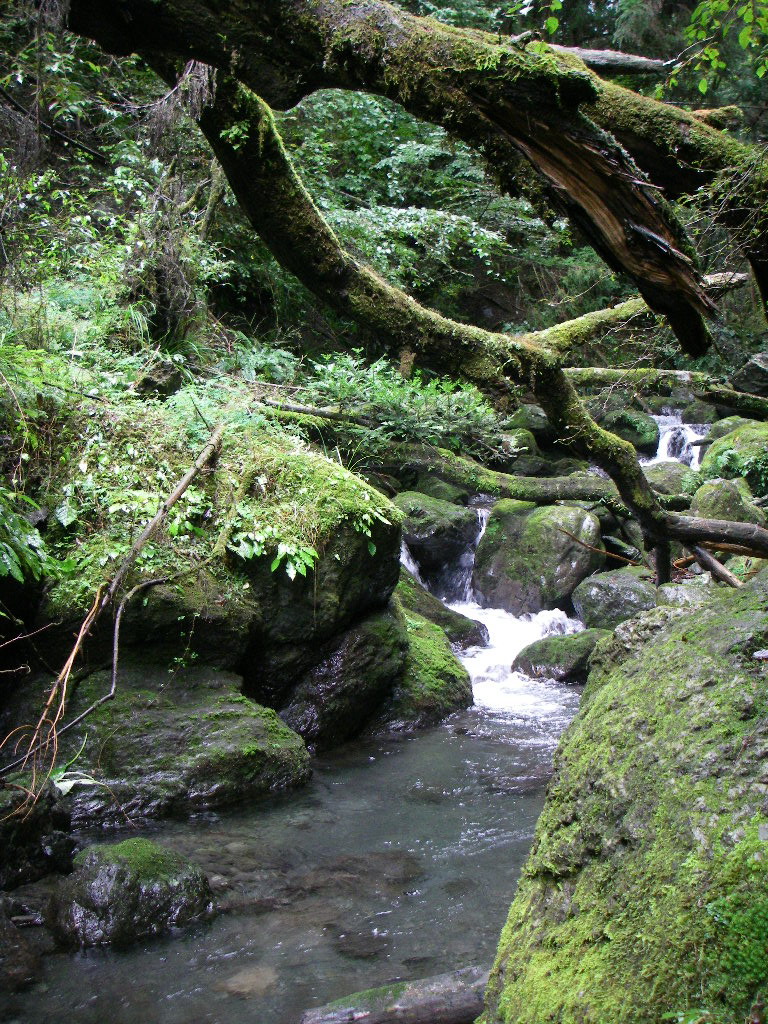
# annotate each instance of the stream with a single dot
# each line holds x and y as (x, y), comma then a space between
(397, 861)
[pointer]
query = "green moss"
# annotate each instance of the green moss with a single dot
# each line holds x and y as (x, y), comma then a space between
(743, 452)
(646, 887)
(434, 683)
(146, 860)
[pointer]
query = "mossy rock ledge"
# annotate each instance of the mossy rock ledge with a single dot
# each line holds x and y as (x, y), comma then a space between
(528, 559)
(122, 893)
(646, 890)
(608, 598)
(560, 657)
(175, 743)
(462, 631)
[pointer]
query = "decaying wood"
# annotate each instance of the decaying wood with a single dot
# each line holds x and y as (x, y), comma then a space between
(455, 998)
(615, 62)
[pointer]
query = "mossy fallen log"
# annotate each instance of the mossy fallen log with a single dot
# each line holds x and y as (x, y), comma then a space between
(454, 998)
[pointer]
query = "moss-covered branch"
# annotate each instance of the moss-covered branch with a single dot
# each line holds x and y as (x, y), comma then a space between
(498, 96)
(280, 209)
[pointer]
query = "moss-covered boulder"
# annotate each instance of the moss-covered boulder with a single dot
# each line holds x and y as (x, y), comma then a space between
(672, 477)
(745, 567)
(699, 412)
(605, 600)
(438, 534)
(728, 425)
(434, 487)
(531, 558)
(519, 454)
(692, 593)
(533, 419)
(433, 683)
(727, 499)
(743, 452)
(559, 657)
(461, 631)
(336, 698)
(752, 377)
(638, 428)
(123, 893)
(173, 743)
(645, 895)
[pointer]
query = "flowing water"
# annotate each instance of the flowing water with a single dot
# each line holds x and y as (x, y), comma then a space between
(675, 440)
(397, 861)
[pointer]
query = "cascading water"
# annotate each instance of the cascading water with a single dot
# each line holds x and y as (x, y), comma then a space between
(397, 861)
(675, 440)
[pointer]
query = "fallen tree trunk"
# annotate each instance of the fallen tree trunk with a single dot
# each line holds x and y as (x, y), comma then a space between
(455, 998)
(497, 96)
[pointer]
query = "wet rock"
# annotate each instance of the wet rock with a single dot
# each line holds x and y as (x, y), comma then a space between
(434, 487)
(752, 377)
(437, 534)
(462, 631)
(672, 478)
(20, 964)
(699, 412)
(727, 425)
(339, 696)
(433, 683)
(560, 657)
(34, 841)
(655, 814)
(640, 429)
(741, 453)
(361, 944)
(533, 419)
(607, 599)
(520, 455)
(127, 892)
(176, 743)
(727, 499)
(528, 559)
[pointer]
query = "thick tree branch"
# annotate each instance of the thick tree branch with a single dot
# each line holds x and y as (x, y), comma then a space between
(614, 62)
(497, 96)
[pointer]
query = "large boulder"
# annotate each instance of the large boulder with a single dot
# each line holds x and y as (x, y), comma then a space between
(124, 893)
(727, 499)
(347, 687)
(671, 477)
(609, 598)
(531, 558)
(646, 891)
(438, 534)
(462, 631)
(640, 429)
(173, 743)
(433, 683)
(727, 425)
(559, 657)
(743, 452)
(752, 377)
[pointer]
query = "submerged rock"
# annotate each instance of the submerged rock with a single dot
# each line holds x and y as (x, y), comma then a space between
(528, 559)
(560, 657)
(34, 840)
(646, 891)
(461, 631)
(127, 892)
(607, 599)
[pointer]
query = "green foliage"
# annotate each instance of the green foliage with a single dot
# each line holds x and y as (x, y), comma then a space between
(712, 21)
(432, 411)
(23, 555)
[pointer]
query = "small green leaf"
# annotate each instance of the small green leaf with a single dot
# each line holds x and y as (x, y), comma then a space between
(703, 86)
(551, 24)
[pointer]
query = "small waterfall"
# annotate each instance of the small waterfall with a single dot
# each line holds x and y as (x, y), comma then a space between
(675, 441)
(409, 562)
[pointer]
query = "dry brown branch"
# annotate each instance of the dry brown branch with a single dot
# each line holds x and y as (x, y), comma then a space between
(600, 551)
(710, 563)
